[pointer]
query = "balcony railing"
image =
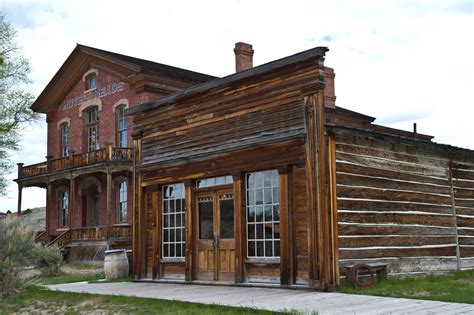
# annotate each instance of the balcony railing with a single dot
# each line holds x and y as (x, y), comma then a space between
(102, 155)
(93, 233)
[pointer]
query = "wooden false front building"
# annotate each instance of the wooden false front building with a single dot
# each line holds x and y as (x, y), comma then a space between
(239, 180)
(232, 183)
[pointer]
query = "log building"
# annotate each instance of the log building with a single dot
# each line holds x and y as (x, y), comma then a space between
(258, 177)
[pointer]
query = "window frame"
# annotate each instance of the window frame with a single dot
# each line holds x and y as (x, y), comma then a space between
(122, 203)
(64, 139)
(122, 126)
(275, 224)
(167, 243)
(91, 81)
(91, 126)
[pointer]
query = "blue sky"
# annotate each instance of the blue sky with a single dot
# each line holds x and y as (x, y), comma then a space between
(400, 61)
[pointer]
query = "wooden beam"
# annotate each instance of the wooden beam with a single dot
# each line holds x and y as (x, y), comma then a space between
(455, 218)
(239, 225)
(285, 238)
(189, 222)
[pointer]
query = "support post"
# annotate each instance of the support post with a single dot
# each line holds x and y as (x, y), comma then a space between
(108, 207)
(137, 205)
(157, 202)
(20, 188)
(239, 226)
(285, 228)
(189, 252)
(72, 201)
(48, 207)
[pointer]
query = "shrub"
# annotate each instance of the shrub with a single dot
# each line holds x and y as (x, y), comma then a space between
(17, 250)
(48, 260)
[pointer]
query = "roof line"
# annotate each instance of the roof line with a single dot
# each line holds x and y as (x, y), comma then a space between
(318, 52)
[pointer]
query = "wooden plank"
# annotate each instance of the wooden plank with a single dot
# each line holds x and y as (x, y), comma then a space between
(391, 229)
(398, 218)
(394, 240)
(376, 252)
(285, 238)
(383, 205)
(335, 276)
(157, 228)
(391, 194)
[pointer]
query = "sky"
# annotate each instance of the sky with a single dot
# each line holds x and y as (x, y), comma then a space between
(403, 62)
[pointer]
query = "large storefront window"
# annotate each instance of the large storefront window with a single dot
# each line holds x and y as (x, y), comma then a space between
(263, 214)
(173, 221)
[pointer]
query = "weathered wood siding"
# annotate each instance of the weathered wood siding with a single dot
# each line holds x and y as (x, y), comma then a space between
(395, 205)
(267, 110)
(301, 225)
(463, 188)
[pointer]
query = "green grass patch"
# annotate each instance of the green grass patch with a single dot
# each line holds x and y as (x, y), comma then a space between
(68, 278)
(37, 299)
(456, 286)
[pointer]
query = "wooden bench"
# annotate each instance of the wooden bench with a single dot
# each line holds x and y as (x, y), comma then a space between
(372, 269)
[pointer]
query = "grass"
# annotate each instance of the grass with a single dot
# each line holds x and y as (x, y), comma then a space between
(36, 299)
(456, 286)
(67, 278)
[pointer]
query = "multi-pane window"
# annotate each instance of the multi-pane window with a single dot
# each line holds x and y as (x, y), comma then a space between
(91, 81)
(215, 181)
(263, 214)
(64, 139)
(92, 129)
(122, 201)
(63, 208)
(121, 127)
(173, 221)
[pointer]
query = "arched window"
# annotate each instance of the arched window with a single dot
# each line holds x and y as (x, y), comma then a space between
(92, 129)
(63, 208)
(122, 199)
(121, 127)
(64, 139)
(91, 81)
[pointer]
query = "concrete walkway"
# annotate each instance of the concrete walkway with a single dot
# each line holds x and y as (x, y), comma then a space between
(270, 299)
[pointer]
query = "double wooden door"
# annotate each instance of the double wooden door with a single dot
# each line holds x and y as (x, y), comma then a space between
(215, 252)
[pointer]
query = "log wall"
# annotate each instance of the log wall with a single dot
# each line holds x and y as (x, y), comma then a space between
(404, 204)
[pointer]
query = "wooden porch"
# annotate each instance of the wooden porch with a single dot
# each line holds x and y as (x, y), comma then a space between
(76, 160)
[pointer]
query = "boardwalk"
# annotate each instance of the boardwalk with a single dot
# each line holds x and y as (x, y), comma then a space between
(271, 299)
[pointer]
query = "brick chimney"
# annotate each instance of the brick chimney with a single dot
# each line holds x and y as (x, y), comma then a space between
(243, 56)
(329, 95)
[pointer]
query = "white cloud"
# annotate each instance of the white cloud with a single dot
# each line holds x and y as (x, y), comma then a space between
(400, 61)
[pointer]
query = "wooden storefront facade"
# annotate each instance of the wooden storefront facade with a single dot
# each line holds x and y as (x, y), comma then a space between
(245, 161)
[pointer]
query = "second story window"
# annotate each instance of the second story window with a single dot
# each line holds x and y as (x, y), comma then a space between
(92, 129)
(121, 127)
(91, 81)
(64, 139)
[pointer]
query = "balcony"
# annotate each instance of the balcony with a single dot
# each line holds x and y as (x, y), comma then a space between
(109, 154)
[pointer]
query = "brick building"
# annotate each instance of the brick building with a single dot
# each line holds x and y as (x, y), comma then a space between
(88, 169)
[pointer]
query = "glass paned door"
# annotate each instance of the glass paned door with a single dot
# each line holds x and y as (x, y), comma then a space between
(215, 236)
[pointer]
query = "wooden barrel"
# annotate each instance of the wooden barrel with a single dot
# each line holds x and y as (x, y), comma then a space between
(116, 264)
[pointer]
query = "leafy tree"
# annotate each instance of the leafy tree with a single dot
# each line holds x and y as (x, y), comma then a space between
(15, 101)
